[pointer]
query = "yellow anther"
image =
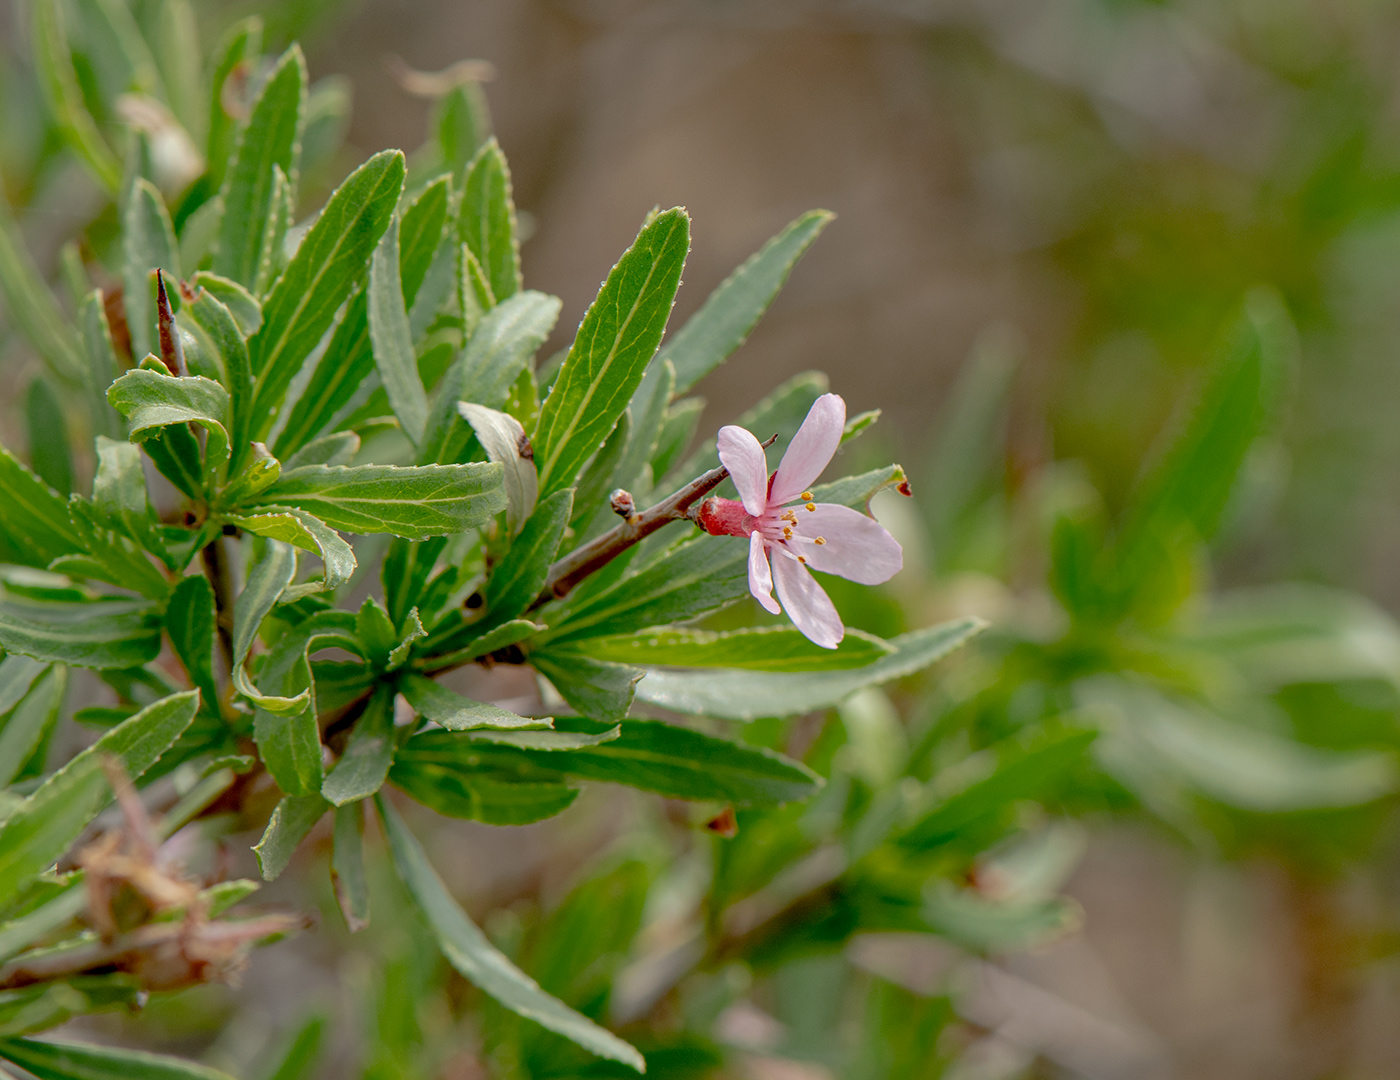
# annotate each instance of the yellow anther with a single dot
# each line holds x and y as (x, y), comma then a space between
(802, 558)
(811, 506)
(820, 540)
(787, 533)
(806, 496)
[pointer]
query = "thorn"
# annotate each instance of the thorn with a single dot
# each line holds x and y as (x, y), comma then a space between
(170, 350)
(724, 823)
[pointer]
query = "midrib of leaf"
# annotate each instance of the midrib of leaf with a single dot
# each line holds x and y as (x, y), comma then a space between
(557, 446)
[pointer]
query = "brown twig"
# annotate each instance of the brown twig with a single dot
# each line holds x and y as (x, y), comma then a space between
(566, 574)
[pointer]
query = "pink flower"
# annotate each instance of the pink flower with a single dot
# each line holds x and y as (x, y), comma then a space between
(783, 524)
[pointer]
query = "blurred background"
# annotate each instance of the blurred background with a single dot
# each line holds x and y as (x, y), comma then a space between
(1081, 193)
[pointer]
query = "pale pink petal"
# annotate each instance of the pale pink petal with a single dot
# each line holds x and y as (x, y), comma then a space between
(857, 546)
(810, 450)
(806, 603)
(760, 578)
(742, 455)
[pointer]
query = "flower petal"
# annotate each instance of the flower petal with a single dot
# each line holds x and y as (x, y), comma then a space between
(806, 603)
(810, 450)
(857, 547)
(760, 577)
(742, 455)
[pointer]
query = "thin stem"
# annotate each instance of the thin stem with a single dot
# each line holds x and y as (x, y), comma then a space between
(217, 569)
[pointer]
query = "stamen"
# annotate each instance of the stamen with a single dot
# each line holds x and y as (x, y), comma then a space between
(820, 540)
(811, 506)
(802, 558)
(787, 533)
(806, 496)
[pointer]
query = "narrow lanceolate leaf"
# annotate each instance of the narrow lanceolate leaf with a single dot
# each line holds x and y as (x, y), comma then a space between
(599, 690)
(82, 1061)
(241, 304)
(99, 361)
(456, 713)
(65, 97)
(50, 452)
(224, 331)
(748, 695)
(393, 341)
(420, 232)
(113, 634)
(190, 622)
(31, 307)
(34, 528)
(348, 867)
(17, 675)
(239, 50)
(361, 770)
(520, 575)
(45, 824)
(502, 344)
(303, 530)
(151, 401)
(765, 648)
(30, 722)
(675, 762)
(617, 338)
(272, 573)
(487, 221)
(294, 817)
(119, 489)
(731, 312)
(504, 441)
(272, 136)
(468, 950)
(430, 500)
(148, 244)
(463, 643)
(329, 263)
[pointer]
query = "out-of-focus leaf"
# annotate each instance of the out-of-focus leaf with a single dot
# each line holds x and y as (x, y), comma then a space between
(748, 695)
(417, 502)
(469, 951)
(17, 675)
(294, 817)
(767, 648)
(29, 723)
(108, 634)
(615, 342)
(392, 340)
(348, 867)
(48, 438)
(975, 922)
(270, 139)
(452, 711)
(148, 244)
(457, 785)
(35, 528)
(487, 221)
(327, 265)
(361, 770)
(234, 57)
(43, 826)
(302, 1054)
(59, 83)
(80, 1061)
(337, 448)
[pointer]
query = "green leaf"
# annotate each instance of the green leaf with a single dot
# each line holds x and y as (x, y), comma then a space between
(452, 711)
(517, 580)
(420, 232)
(486, 221)
(469, 951)
(663, 758)
(308, 532)
(337, 448)
(43, 826)
(28, 929)
(599, 690)
(493, 795)
(29, 723)
(730, 313)
(242, 305)
(648, 413)
(328, 264)
(224, 332)
(289, 739)
(393, 341)
(759, 648)
(119, 490)
(274, 235)
(677, 433)
(151, 401)
(31, 308)
(294, 817)
(467, 643)
(99, 357)
(108, 634)
(148, 244)
(50, 1060)
(190, 622)
(617, 338)
(35, 527)
(238, 51)
(417, 502)
(48, 437)
(59, 83)
(967, 917)
(348, 867)
(271, 138)
(361, 770)
(748, 695)
(461, 122)
(17, 675)
(269, 576)
(504, 441)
